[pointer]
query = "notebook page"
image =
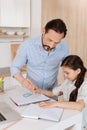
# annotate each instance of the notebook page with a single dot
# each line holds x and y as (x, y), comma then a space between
(53, 114)
(36, 112)
(32, 111)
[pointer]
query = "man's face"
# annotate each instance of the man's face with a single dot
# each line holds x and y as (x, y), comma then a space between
(51, 39)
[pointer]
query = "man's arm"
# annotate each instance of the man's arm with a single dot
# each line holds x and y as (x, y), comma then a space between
(25, 82)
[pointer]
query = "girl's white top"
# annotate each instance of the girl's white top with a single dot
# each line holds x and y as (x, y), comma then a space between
(67, 87)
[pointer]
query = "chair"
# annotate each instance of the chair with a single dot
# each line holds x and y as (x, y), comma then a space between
(14, 48)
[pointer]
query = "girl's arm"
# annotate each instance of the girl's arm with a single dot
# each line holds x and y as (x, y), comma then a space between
(78, 105)
(56, 91)
(44, 92)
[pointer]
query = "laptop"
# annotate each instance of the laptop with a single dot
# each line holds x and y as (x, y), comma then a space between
(7, 114)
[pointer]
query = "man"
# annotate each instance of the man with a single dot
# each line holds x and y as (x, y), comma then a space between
(43, 56)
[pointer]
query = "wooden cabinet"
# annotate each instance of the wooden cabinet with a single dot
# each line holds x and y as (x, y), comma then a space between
(15, 13)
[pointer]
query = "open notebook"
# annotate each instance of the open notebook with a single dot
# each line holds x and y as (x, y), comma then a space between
(36, 112)
(28, 98)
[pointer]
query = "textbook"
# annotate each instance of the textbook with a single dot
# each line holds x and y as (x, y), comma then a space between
(28, 98)
(36, 112)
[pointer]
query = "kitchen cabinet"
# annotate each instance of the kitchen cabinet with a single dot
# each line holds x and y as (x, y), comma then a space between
(15, 13)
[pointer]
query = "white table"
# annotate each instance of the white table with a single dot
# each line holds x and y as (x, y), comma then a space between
(69, 118)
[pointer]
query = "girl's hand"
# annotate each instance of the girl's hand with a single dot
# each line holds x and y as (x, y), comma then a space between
(48, 104)
(60, 93)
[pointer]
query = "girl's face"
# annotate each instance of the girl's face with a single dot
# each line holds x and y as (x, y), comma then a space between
(70, 74)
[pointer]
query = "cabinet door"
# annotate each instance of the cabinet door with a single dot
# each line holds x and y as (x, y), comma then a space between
(23, 13)
(15, 13)
(8, 12)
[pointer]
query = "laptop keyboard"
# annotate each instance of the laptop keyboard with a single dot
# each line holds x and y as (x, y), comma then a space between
(2, 118)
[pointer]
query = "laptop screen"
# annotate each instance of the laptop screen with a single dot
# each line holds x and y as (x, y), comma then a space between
(7, 114)
(2, 118)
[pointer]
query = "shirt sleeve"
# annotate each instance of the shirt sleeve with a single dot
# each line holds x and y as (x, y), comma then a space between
(56, 90)
(82, 92)
(19, 60)
(62, 88)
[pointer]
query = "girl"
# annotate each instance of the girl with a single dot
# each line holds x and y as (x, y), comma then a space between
(74, 87)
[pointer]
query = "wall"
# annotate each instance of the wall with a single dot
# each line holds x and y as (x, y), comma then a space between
(35, 21)
(74, 13)
(35, 18)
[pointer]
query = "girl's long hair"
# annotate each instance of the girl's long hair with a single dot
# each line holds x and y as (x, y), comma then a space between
(74, 62)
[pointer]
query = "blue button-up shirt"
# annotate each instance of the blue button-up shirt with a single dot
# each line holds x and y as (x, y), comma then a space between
(42, 68)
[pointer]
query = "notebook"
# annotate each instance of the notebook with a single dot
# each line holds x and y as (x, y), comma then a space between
(28, 98)
(7, 114)
(36, 112)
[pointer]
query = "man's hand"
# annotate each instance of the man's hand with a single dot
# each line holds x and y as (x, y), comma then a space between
(27, 83)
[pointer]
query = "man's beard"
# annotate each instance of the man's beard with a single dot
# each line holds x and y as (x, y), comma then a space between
(47, 48)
